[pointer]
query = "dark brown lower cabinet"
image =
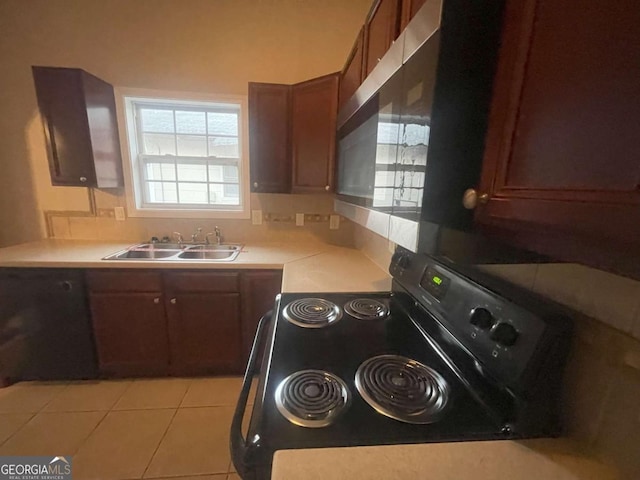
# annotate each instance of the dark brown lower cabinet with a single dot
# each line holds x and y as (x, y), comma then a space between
(177, 322)
(131, 333)
(259, 290)
(204, 333)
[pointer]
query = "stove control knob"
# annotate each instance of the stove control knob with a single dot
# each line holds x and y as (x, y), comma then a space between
(401, 260)
(481, 318)
(505, 334)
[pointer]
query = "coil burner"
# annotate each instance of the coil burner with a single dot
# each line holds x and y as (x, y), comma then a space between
(312, 398)
(312, 312)
(403, 389)
(366, 309)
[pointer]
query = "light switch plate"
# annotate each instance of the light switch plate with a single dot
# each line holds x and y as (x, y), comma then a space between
(299, 219)
(119, 213)
(334, 222)
(256, 217)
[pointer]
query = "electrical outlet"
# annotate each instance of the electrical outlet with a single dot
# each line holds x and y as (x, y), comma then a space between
(299, 219)
(119, 213)
(105, 212)
(256, 217)
(334, 222)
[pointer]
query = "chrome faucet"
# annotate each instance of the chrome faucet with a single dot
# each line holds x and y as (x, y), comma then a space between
(218, 233)
(194, 236)
(179, 238)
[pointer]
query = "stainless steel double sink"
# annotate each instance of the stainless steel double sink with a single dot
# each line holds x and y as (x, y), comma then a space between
(178, 252)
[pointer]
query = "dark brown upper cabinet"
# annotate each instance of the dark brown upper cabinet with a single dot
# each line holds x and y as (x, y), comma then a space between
(408, 10)
(314, 106)
(381, 29)
(561, 171)
(351, 75)
(79, 118)
(292, 135)
(270, 137)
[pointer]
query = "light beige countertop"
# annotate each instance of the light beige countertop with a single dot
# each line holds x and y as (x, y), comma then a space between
(547, 459)
(308, 267)
(336, 269)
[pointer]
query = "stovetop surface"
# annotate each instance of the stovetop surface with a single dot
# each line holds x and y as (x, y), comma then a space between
(340, 349)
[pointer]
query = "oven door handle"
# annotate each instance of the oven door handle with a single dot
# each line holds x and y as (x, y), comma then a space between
(240, 449)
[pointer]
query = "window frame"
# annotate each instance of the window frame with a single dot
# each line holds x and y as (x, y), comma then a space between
(126, 100)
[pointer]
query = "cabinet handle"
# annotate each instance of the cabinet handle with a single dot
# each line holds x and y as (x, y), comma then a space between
(471, 198)
(67, 286)
(327, 187)
(83, 179)
(156, 300)
(255, 184)
(173, 301)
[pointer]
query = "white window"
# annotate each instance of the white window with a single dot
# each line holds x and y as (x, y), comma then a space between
(186, 154)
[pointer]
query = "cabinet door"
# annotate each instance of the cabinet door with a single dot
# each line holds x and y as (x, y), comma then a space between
(409, 9)
(351, 76)
(131, 333)
(561, 167)
(381, 30)
(204, 333)
(103, 131)
(269, 137)
(259, 290)
(66, 128)
(314, 111)
(79, 117)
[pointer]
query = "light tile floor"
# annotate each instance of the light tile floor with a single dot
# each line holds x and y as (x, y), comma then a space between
(174, 428)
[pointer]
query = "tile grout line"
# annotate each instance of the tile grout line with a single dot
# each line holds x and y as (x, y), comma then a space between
(129, 383)
(66, 387)
(84, 440)
(93, 430)
(20, 428)
(108, 410)
(33, 414)
(191, 382)
(155, 451)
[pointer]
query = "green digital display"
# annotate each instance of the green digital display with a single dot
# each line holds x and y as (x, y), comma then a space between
(435, 282)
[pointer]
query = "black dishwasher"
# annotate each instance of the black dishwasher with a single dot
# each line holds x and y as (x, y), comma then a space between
(45, 327)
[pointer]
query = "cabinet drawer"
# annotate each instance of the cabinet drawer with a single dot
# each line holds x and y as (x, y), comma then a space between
(124, 281)
(202, 282)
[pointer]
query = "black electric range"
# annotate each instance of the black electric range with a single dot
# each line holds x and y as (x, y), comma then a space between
(439, 358)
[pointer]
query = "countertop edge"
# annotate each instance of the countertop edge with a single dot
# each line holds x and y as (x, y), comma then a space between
(312, 267)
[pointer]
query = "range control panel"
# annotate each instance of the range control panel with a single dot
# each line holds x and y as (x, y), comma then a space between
(502, 335)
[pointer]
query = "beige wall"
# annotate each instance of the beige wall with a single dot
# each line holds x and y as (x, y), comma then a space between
(213, 46)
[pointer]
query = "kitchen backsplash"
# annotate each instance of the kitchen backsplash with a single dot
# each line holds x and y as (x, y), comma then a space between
(373, 246)
(278, 222)
(603, 373)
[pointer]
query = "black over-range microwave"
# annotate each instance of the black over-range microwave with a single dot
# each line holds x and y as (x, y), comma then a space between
(411, 145)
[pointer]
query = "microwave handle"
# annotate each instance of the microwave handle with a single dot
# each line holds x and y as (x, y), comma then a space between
(239, 446)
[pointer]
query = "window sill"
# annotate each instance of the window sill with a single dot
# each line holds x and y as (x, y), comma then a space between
(180, 213)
